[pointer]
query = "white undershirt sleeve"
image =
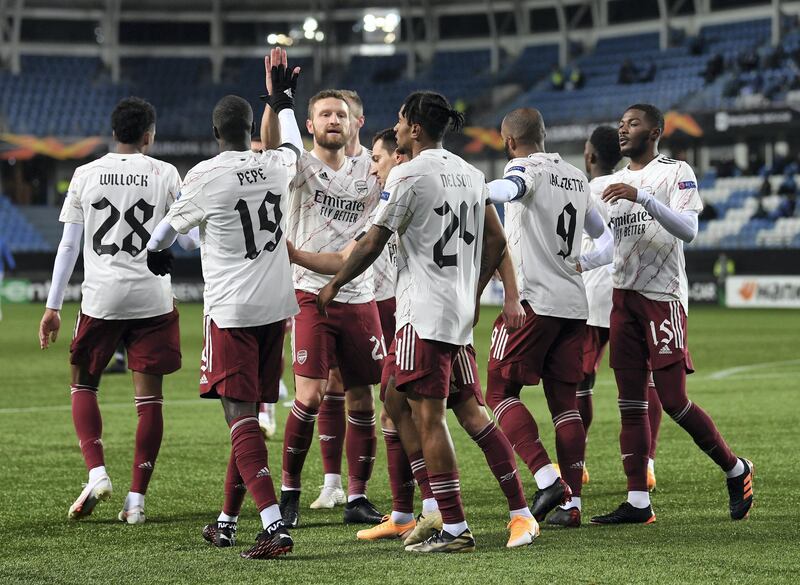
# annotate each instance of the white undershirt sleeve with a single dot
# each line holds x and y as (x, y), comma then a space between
(290, 133)
(681, 224)
(603, 254)
(68, 250)
(163, 237)
(190, 241)
(504, 190)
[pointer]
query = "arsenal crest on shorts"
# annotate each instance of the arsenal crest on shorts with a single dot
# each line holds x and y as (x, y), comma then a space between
(302, 356)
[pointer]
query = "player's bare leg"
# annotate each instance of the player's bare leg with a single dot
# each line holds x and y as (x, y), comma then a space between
(331, 428)
(251, 460)
(361, 446)
(297, 440)
(89, 428)
(429, 416)
(149, 432)
(499, 454)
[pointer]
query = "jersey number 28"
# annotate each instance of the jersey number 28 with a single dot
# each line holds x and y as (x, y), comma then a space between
(136, 224)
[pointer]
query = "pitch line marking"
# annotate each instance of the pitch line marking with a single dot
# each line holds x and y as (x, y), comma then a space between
(103, 406)
(728, 372)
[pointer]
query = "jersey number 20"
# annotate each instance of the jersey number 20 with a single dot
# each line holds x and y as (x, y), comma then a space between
(271, 204)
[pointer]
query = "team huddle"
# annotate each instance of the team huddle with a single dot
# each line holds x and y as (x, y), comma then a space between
(377, 261)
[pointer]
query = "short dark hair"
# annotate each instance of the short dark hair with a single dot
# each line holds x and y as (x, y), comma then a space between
(605, 141)
(432, 111)
(233, 117)
(131, 119)
(325, 94)
(352, 98)
(389, 139)
(652, 113)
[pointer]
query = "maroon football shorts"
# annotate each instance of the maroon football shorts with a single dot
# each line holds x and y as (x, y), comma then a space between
(153, 344)
(350, 337)
(595, 340)
(241, 363)
(544, 347)
(386, 310)
(464, 381)
(647, 334)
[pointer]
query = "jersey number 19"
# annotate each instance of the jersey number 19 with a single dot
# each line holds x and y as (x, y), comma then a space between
(270, 204)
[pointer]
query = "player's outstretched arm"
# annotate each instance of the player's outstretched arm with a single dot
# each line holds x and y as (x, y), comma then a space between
(506, 189)
(603, 254)
(513, 312)
(364, 253)
(68, 250)
(190, 241)
(159, 258)
(320, 262)
(494, 248)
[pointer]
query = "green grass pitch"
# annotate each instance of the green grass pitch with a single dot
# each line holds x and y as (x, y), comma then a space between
(748, 365)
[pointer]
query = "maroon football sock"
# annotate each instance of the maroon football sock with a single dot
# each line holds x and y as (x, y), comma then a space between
(421, 475)
(296, 441)
(149, 431)
(654, 411)
(446, 489)
(671, 384)
(251, 460)
(88, 424)
(235, 490)
(331, 426)
(634, 438)
(570, 434)
(500, 457)
(361, 445)
(585, 407)
(401, 478)
(516, 421)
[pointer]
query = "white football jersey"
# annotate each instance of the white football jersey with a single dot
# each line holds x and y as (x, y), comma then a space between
(384, 269)
(238, 198)
(327, 209)
(119, 199)
(647, 258)
(436, 205)
(544, 226)
(598, 281)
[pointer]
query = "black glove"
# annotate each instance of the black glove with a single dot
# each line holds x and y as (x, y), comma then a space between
(160, 263)
(284, 85)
